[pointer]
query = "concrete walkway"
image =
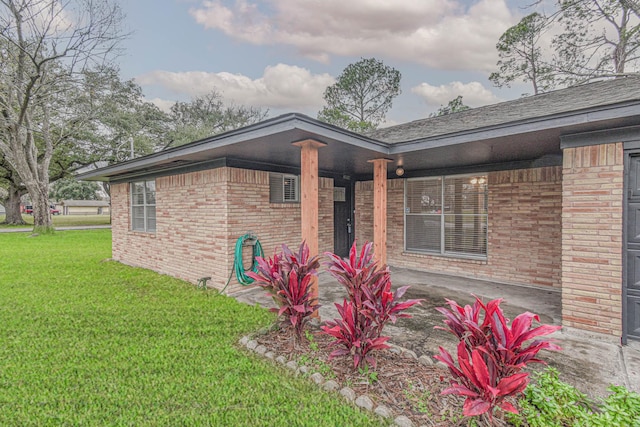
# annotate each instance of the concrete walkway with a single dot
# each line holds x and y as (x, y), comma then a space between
(591, 362)
(71, 227)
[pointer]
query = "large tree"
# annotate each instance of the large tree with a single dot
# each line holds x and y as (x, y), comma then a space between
(595, 39)
(521, 56)
(361, 96)
(208, 115)
(11, 192)
(72, 189)
(633, 5)
(123, 125)
(112, 117)
(120, 124)
(46, 45)
(601, 38)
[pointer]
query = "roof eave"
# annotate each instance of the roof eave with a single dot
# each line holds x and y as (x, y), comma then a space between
(268, 127)
(573, 118)
(320, 130)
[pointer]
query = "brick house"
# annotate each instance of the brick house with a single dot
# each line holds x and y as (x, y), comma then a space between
(540, 191)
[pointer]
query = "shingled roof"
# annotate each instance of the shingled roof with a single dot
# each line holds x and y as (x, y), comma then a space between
(543, 105)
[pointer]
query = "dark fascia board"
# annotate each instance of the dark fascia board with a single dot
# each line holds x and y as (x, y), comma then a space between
(519, 127)
(266, 128)
(545, 161)
(608, 136)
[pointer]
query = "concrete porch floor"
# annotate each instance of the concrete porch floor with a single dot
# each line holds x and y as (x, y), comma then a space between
(591, 362)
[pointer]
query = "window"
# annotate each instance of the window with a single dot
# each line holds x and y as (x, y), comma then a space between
(447, 215)
(284, 188)
(143, 206)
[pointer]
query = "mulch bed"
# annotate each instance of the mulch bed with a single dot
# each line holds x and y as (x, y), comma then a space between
(399, 381)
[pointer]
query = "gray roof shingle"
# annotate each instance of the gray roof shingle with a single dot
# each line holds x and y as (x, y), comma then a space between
(547, 104)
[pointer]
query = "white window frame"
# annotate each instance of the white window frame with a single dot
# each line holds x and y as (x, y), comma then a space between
(147, 206)
(281, 180)
(442, 215)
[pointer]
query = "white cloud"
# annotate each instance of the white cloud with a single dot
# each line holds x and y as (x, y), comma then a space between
(281, 86)
(442, 34)
(162, 104)
(474, 94)
(51, 19)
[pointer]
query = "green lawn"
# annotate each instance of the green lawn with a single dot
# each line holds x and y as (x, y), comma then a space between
(66, 220)
(90, 342)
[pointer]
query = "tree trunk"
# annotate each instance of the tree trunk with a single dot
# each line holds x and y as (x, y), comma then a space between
(12, 206)
(42, 223)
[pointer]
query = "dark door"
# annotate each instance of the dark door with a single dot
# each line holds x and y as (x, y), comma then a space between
(342, 217)
(631, 290)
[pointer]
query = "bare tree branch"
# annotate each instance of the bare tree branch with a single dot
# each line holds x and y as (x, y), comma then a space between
(46, 45)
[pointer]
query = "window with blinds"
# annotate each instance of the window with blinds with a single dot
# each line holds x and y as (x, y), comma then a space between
(143, 206)
(447, 215)
(284, 188)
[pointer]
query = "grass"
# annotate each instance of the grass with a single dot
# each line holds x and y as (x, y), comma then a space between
(64, 220)
(87, 342)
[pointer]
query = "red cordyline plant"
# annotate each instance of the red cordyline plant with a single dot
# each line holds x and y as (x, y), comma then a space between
(287, 277)
(369, 307)
(491, 354)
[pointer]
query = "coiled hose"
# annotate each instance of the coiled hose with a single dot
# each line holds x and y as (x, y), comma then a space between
(238, 266)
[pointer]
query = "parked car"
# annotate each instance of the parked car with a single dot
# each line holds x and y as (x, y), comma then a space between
(28, 209)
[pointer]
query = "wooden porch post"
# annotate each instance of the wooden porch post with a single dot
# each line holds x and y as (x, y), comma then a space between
(380, 209)
(309, 200)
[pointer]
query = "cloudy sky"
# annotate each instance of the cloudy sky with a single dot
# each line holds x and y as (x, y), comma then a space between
(282, 54)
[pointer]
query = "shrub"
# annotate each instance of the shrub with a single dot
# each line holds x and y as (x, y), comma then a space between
(356, 334)
(490, 354)
(287, 277)
(369, 307)
(549, 402)
(620, 408)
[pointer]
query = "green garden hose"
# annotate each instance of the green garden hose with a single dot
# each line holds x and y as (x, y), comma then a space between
(238, 267)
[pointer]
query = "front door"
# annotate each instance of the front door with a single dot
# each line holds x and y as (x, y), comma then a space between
(342, 217)
(631, 290)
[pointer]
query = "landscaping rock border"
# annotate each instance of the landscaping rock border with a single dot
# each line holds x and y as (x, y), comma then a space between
(363, 401)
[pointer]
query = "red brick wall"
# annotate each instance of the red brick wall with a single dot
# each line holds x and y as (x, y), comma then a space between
(120, 218)
(200, 216)
(273, 223)
(592, 196)
(524, 230)
(189, 242)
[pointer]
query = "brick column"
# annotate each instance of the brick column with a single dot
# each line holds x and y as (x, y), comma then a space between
(309, 200)
(380, 209)
(592, 227)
